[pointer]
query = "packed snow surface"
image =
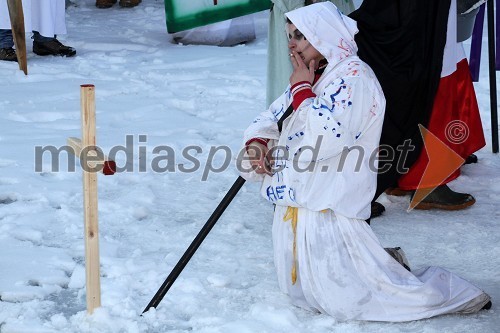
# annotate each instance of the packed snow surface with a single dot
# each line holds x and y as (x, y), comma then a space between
(156, 100)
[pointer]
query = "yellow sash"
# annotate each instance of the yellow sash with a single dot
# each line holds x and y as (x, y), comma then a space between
(292, 215)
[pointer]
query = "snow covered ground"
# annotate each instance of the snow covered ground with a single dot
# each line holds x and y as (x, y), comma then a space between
(159, 93)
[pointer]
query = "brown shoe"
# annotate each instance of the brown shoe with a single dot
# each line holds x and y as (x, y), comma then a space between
(396, 191)
(129, 3)
(104, 3)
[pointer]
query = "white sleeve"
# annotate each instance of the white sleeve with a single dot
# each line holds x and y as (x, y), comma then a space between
(266, 124)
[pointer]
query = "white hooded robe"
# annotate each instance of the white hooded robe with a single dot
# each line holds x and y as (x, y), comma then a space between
(342, 269)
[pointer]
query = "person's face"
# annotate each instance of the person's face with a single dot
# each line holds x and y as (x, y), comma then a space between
(297, 42)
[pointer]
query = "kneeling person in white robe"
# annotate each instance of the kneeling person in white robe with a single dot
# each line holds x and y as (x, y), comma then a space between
(326, 255)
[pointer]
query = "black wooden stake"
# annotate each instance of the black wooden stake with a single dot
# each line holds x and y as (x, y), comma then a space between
(493, 76)
(195, 244)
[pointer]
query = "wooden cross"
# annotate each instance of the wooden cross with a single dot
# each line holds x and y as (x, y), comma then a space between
(92, 160)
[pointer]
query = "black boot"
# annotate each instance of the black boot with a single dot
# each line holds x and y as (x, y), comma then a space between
(442, 197)
(8, 54)
(472, 158)
(377, 209)
(53, 47)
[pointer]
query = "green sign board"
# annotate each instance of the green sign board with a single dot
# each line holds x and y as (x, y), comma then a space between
(187, 14)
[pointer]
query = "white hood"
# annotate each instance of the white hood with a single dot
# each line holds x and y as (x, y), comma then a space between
(330, 32)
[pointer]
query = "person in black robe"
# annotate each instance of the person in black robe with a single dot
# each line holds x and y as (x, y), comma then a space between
(403, 41)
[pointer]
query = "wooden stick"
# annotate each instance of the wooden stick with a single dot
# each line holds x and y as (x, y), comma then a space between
(16, 16)
(87, 103)
(101, 162)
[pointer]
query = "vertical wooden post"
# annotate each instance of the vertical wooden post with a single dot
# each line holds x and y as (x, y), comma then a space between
(93, 284)
(16, 15)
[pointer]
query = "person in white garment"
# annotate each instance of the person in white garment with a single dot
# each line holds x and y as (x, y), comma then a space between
(320, 174)
(279, 69)
(46, 19)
